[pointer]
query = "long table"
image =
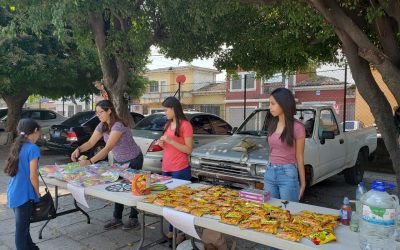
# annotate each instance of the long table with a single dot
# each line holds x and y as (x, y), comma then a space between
(346, 239)
(99, 191)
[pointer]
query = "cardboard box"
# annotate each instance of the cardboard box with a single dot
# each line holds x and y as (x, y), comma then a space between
(255, 195)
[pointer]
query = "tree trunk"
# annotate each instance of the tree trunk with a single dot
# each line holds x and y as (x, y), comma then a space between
(14, 105)
(115, 69)
(375, 98)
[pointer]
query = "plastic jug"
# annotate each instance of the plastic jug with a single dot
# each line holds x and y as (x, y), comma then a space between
(379, 214)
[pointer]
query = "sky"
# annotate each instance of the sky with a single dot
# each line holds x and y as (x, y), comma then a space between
(159, 61)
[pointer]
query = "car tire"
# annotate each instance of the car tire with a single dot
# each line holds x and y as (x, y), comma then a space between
(355, 174)
(97, 148)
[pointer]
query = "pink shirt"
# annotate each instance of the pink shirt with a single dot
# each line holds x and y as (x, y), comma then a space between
(175, 160)
(280, 152)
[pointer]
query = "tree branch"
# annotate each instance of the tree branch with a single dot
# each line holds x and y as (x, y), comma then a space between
(96, 23)
(374, 96)
(392, 8)
(387, 37)
(340, 21)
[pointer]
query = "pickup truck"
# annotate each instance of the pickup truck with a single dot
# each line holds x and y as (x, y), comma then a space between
(328, 150)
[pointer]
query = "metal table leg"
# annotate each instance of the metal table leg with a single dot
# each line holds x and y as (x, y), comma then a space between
(76, 209)
(173, 238)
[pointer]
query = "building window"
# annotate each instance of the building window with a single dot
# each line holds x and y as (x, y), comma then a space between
(237, 82)
(154, 87)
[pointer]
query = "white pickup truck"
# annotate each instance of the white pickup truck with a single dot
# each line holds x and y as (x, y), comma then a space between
(328, 150)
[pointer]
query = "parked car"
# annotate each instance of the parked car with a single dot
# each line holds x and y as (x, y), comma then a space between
(206, 128)
(328, 151)
(3, 112)
(76, 130)
(352, 125)
(45, 118)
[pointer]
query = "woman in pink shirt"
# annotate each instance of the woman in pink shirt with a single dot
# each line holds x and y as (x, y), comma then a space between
(284, 177)
(177, 141)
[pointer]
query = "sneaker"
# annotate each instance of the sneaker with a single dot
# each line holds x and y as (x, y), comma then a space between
(130, 224)
(113, 224)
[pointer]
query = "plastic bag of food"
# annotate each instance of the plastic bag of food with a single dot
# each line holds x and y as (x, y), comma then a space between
(141, 183)
(322, 237)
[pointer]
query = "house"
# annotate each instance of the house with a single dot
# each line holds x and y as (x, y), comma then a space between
(210, 99)
(307, 89)
(164, 84)
(245, 92)
(328, 91)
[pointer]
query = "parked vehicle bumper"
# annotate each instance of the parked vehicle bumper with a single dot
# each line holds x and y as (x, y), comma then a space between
(62, 148)
(234, 180)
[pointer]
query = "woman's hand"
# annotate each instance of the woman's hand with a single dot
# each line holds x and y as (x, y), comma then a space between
(166, 139)
(84, 162)
(301, 191)
(75, 155)
(160, 143)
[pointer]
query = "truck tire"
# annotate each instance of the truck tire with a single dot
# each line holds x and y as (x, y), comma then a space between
(355, 174)
(309, 175)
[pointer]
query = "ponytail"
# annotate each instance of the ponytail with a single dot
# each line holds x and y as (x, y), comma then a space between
(25, 128)
(13, 157)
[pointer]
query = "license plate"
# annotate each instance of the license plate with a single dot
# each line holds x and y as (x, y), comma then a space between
(57, 133)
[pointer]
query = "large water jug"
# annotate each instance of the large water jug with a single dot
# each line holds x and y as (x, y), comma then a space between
(378, 223)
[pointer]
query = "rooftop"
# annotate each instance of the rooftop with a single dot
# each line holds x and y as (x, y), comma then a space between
(183, 68)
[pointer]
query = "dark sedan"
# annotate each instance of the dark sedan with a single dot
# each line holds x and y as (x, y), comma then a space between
(75, 131)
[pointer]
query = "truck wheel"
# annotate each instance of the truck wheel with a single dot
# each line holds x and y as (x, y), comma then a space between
(355, 174)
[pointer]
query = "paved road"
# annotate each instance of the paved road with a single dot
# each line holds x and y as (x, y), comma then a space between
(72, 232)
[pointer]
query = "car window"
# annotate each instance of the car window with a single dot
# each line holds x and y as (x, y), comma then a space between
(201, 125)
(26, 114)
(92, 123)
(49, 115)
(78, 119)
(137, 117)
(3, 112)
(154, 122)
(36, 115)
(327, 122)
(350, 125)
(220, 126)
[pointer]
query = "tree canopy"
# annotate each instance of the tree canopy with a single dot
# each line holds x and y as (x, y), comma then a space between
(31, 64)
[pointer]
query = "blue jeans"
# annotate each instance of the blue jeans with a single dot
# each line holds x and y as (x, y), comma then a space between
(23, 240)
(135, 163)
(184, 174)
(282, 181)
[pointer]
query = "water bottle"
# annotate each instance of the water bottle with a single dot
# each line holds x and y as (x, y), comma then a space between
(361, 190)
(378, 223)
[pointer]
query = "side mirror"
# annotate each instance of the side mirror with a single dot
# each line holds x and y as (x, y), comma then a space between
(327, 135)
(233, 130)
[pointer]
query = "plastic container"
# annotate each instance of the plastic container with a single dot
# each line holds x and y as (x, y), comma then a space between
(345, 212)
(360, 191)
(354, 222)
(379, 214)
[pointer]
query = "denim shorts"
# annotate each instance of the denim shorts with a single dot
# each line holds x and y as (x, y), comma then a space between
(282, 181)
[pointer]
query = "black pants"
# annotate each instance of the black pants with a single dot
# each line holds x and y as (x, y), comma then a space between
(136, 163)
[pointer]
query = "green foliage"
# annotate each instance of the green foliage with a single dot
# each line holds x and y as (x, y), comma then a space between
(42, 65)
(264, 38)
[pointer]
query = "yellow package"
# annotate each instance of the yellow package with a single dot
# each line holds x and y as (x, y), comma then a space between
(322, 237)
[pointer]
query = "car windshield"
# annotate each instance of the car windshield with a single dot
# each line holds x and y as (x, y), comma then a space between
(78, 119)
(154, 122)
(257, 123)
(349, 125)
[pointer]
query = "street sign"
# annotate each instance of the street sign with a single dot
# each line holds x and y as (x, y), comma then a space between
(180, 79)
